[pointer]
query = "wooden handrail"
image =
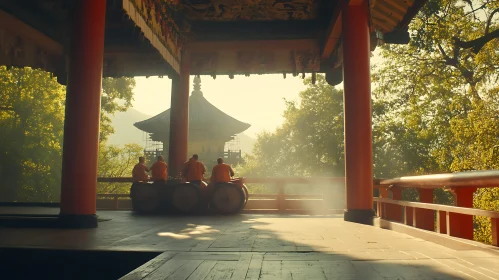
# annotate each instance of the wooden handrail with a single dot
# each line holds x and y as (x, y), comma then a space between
(478, 179)
(440, 207)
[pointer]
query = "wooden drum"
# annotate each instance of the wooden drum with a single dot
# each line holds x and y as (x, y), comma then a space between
(186, 198)
(229, 198)
(145, 197)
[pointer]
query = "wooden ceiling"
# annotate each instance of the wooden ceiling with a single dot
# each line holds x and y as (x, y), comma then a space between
(128, 52)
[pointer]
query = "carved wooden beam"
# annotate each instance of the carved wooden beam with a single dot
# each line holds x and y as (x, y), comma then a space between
(260, 45)
(333, 32)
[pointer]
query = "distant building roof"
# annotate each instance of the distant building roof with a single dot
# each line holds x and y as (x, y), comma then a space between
(205, 120)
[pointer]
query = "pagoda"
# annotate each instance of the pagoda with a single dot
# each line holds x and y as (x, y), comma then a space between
(209, 129)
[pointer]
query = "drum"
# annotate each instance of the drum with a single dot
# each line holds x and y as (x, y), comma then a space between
(145, 197)
(229, 198)
(186, 198)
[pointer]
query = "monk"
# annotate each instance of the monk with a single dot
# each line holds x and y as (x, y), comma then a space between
(159, 170)
(221, 172)
(139, 172)
(194, 170)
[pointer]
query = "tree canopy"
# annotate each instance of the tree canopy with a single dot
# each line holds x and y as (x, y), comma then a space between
(32, 121)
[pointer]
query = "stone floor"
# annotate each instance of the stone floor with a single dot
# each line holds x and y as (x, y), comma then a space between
(265, 247)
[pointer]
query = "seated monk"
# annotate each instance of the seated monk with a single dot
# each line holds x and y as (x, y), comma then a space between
(159, 170)
(139, 172)
(194, 170)
(221, 172)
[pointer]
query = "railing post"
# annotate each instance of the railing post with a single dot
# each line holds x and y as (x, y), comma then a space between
(462, 225)
(394, 212)
(442, 222)
(495, 231)
(383, 193)
(116, 202)
(426, 217)
(280, 195)
(414, 217)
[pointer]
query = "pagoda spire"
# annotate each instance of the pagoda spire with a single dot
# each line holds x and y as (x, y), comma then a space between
(197, 86)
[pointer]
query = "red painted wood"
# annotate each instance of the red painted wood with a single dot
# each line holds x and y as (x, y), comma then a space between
(81, 125)
(495, 231)
(357, 108)
(383, 193)
(394, 212)
(425, 218)
(462, 225)
(179, 120)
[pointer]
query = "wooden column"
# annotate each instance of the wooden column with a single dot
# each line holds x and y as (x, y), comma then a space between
(425, 218)
(179, 120)
(81, 124)
(357, 111)
(462, 225)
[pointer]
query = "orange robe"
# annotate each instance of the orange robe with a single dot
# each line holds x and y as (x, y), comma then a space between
(194, 170)
(221, 173)
(159, 171)
(139, 173)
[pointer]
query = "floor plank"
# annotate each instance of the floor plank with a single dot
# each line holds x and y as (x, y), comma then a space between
(222, 270)
(149, 267)
(185, 270)
(202, 270)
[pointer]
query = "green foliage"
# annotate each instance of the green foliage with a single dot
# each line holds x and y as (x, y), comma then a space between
(32, 119)
(117, 96)
(117, 162)
(32, 122)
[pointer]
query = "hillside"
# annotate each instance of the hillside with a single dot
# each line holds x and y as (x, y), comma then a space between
(124, 131)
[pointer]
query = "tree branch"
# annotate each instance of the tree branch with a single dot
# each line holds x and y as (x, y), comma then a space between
(489, 20)
(477, 44)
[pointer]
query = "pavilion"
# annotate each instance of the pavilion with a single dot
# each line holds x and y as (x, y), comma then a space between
(209, 129)
(81, 41)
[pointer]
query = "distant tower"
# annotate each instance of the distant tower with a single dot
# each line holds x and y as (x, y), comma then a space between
(209, 129)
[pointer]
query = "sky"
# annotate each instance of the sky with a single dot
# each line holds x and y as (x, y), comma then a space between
(257, 99)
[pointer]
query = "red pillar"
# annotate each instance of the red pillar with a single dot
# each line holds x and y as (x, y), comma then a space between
(357, 111)
(462, 225)
(81, 124)
(425, 218)
(179, 120)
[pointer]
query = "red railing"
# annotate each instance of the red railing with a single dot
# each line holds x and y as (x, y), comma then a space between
(454, 220)
(328, 198)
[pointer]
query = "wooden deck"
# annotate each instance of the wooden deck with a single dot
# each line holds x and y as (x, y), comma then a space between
(266, 247)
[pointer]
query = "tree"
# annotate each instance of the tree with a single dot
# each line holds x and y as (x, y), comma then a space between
(117, 96)
(32, 119)
(117, 162)
(437, 108)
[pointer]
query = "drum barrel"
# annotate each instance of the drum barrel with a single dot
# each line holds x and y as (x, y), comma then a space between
(145, 197)
(186, 198)
(229, 198)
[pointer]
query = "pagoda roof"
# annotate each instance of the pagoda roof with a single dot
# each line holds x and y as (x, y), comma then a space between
(204, 119)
